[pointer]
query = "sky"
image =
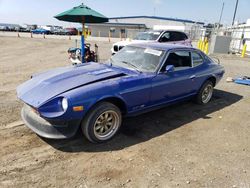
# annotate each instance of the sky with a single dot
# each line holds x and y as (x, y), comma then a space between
(42, 12)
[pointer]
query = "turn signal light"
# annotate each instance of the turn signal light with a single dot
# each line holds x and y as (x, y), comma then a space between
(78, 108)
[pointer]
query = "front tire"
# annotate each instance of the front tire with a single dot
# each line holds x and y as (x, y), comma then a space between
(205, 93)
(102, 122)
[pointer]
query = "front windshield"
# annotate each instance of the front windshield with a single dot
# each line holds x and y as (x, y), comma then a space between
(137, 58)
(147, 36)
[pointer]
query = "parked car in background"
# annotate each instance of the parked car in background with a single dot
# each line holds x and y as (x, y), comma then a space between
(95, 96)
(48, 28)
(59, 31)
(23, 29)
(66, 31)
(3, 28)
(41, 31)
(30, 28)
(11, 28)
(163, 36)
(70, 31)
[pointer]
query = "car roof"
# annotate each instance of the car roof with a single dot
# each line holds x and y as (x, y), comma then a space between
(161, 46)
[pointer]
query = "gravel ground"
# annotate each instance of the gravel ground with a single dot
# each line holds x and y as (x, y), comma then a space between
(185, 145)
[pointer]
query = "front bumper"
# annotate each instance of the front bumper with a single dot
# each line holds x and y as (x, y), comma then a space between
(49, 128)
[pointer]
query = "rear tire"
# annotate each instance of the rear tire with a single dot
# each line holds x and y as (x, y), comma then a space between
(102, 122)
(205, 93)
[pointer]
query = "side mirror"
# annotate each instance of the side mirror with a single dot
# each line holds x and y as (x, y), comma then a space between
(169, 68)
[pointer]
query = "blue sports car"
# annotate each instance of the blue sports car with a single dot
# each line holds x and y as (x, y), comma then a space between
(95, 96)
(41, 31)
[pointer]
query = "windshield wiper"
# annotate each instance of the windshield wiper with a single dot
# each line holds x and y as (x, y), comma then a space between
(132, 65)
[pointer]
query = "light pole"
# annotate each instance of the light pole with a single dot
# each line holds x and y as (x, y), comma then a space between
(235, 11)
(221, 14)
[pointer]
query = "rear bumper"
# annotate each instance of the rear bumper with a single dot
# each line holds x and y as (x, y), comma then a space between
(49, 129)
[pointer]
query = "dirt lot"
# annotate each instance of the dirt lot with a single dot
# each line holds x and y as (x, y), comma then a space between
(184, 145)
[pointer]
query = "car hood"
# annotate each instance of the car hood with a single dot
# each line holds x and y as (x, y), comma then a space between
(44, 86)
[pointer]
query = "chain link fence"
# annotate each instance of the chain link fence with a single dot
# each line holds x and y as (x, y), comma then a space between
(240, 37)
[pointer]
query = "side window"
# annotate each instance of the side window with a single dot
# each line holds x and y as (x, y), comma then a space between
(178, 36)
(183, 36)
(197, 59)
(180, 60)
(165, 37)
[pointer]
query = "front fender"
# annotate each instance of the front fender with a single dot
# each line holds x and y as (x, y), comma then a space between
(89, 95)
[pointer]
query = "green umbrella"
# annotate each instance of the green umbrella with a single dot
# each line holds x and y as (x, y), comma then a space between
(82, 14)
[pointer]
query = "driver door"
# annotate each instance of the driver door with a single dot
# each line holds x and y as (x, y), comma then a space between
(171, 86)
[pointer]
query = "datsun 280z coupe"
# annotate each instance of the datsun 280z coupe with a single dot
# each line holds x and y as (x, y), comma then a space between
(96, 96)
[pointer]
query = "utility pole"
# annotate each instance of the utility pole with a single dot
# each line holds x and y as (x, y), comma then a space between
(221, 13)
(235, 11)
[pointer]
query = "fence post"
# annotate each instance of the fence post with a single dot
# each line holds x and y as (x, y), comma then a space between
(76, 42)
(206, 48)
(43, 35)
(31, 35)
(244, 50)
(202, 45)
(199, 44)
(109, 36)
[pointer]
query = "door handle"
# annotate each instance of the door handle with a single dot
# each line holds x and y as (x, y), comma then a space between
(192, 77)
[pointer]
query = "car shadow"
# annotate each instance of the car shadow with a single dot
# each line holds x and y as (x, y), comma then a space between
(142, 128)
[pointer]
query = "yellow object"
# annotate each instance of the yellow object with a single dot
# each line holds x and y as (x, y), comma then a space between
(83, 28)
(84, 33)
(78, 108)
(206, 48)
(244, 50)
(199, 44)
(202, 45)
(205, 40)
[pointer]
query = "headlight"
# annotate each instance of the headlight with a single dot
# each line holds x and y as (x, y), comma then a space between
(64, 104)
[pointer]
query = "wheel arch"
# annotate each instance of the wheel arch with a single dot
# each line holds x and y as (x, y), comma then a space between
(117, 102)
(213, 80)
